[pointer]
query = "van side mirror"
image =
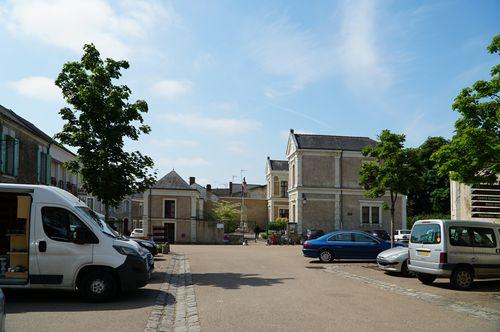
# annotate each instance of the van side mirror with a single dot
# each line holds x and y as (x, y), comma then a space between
(80, 235)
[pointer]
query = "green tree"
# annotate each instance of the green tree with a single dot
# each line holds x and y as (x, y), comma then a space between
(229, 213)
(393, 170)
(433, 194)
(100, 118)
(473, 155)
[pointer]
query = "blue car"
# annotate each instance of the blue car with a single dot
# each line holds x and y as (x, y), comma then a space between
(345, 245)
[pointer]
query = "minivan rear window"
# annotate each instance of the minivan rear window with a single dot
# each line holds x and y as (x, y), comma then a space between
(426, 234)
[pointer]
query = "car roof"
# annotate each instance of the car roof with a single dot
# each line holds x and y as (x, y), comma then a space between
(42, 193)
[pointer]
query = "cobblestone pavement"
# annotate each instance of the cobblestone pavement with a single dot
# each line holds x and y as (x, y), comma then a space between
(175, 308)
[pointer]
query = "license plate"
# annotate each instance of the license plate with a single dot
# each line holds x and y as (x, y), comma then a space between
(423, 253)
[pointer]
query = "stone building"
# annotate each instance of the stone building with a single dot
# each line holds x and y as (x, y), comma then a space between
(277, 189)
(254, 208)
(323, 188)
(28, 155)
(476, 202)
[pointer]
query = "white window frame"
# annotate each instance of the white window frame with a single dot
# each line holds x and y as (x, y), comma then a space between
(163, 207)
(370, 205)
(90, 199)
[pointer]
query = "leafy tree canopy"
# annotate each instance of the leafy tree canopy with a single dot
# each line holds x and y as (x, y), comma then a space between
(100, 118)
(473, 155)
(393, 169)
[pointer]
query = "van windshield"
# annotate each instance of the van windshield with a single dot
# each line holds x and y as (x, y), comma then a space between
(426, 234)
(92, 216)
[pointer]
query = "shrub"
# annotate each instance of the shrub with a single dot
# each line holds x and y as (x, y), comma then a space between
(263, 236)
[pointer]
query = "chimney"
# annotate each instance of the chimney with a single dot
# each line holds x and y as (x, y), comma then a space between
(230, 188)
(291, 131)
(192, 180)
(209, 187)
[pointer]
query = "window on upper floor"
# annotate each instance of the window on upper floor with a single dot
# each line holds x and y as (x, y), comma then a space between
(283, 213)
(9, 156)
(169, 209)
(284, 189)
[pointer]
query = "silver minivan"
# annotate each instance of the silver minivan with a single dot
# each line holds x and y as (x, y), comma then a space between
(460, 250)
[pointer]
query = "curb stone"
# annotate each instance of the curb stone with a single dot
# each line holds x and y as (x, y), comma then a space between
(175, 308)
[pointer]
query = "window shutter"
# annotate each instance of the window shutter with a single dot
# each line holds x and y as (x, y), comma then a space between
(49, 164)
(38, 165)
(16, 157)
(3, 151)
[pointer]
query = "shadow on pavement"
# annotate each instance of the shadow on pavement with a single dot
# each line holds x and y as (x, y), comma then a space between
(21, 301)
(479, 286)
(343, 261)
(234, 280)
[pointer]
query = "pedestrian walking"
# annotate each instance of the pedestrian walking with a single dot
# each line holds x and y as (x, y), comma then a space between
(256, 231)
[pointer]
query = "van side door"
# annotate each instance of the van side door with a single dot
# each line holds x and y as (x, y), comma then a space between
(486, 258)
(59, 257)
(461, 249)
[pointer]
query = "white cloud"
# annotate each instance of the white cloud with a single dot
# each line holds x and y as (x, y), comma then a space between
(351, 45)
(360, 54)
(213, 125)
(225, 106)
(285, 49)
(171, 89)
(38, 87)
(70, 24)
(181, 162)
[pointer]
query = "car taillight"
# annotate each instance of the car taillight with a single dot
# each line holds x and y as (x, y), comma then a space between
(443, 258)
(307, 244)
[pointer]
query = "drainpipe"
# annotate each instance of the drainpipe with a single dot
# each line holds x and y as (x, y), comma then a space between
(150, 226)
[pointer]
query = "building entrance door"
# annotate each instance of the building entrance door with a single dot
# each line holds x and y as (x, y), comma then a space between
(169, 230)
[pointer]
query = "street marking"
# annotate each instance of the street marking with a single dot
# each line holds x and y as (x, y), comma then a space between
(458, 306)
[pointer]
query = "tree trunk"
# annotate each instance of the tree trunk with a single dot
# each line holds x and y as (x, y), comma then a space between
(393, 203)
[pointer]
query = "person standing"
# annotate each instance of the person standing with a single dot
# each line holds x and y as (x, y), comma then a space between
(256, 231)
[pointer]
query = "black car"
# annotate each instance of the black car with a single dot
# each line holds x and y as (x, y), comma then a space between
(380, 233)
(312, 234)
(149, 245)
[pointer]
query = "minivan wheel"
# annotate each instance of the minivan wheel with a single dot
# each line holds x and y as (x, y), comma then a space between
(462, 278)
(426, 279)
(98, 286)
(325, 256)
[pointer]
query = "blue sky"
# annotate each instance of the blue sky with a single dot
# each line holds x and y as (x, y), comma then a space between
(226, 80)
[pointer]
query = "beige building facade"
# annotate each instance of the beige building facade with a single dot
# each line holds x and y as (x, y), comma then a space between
(476, 202)
(277, 189)
(323, 188)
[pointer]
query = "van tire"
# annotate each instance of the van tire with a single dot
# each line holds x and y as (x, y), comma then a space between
(98, 286)
(462, 278)
(425, 278)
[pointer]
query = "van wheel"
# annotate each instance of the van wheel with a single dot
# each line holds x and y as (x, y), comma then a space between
(325, 256)
(404, 269)
(462, 278)
(98, 286)
(426, 279)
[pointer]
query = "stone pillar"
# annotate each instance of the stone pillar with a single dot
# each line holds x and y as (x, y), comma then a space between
(337, 171)
(193, 218)
(299, 171)
(337, 211)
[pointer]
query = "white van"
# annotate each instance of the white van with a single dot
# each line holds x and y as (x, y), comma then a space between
(50, 239)
(460, 250)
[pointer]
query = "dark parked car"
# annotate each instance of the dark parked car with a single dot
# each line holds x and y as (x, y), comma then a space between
(380, 233)
(149, 245)
(312, 234)
(345, 245)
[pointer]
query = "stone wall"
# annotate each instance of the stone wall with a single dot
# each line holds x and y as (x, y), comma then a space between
(351, 218)
(207, 232)
(318, 171)
(318, 214)
(350, 172)
(182, 206)
(28, 149)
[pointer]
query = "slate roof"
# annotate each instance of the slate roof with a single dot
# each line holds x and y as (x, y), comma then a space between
(327, 142)
(172, 181)
(22, 122)
(221, 192)
(279, 165)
